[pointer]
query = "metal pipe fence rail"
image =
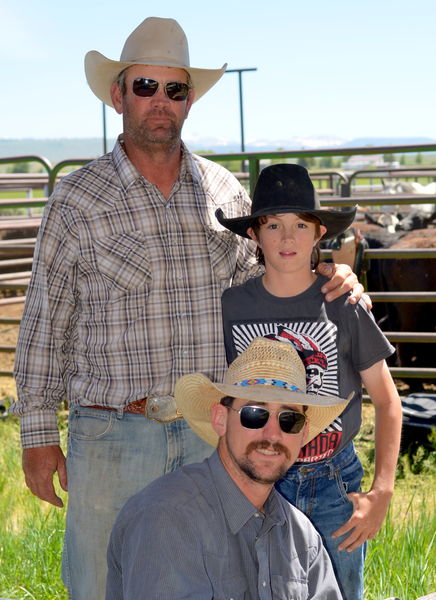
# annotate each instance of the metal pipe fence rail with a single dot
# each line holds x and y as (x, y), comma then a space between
(254, 159)
(415, 337)
(334, 186)
(405, 173)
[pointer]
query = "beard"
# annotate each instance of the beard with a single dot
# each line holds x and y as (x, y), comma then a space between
(146, 135)
(249, 467)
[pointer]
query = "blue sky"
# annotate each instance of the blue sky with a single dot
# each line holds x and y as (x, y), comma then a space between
(345, 68)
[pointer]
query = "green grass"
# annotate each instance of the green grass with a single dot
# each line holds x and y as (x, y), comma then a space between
(400, 560)
(20, 194)
(31, 531)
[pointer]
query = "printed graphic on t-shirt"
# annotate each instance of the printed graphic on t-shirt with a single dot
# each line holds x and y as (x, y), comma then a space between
(316, 344)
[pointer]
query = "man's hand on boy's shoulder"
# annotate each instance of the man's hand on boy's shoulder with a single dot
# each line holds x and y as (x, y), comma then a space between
(342, 281)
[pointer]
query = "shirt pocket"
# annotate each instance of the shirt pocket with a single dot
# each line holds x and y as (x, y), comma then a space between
(122, 260)
(222, 249)
(289, 589)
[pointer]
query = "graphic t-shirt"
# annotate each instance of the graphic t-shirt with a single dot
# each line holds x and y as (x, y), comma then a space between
(335, 340)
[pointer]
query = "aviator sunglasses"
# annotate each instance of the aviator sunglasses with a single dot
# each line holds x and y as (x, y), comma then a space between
(175, 90)
(256, 417)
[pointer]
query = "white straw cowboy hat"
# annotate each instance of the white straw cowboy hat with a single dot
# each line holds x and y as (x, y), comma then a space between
(267, 371)
(156, 41)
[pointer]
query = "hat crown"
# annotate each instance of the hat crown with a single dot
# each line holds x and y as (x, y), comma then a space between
(157, 40)
(284, 185)
(276, 363)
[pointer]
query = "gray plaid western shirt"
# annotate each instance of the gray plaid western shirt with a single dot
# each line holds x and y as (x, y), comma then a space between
(125, 294)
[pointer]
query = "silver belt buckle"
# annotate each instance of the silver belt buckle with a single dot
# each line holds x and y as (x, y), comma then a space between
(162, 409)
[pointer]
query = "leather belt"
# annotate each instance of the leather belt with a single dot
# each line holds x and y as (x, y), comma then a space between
(158, 408)
(137, 407)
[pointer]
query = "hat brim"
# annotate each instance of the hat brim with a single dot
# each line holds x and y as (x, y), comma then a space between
(335, 221)
(195, 395)
(101, 72)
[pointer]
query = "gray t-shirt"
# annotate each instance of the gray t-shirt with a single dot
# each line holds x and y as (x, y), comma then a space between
(336, 340)
(193, 535)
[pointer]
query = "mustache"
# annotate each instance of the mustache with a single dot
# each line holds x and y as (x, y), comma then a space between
(158, 112)
(265, 445)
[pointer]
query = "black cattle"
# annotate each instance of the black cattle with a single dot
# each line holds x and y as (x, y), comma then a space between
(412, 275)
(400, 275)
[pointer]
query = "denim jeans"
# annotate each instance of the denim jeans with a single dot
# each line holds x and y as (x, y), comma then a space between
(320, 491)
(110, 457)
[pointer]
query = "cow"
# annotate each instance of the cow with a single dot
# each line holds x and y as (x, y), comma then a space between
(412, 275)
(397, 275)
(421, 216)
(408, 187)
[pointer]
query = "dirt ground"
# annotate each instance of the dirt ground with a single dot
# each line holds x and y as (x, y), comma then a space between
(8, 337)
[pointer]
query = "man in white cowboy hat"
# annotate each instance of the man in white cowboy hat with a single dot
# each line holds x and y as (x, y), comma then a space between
(125, 298)
(219, 529)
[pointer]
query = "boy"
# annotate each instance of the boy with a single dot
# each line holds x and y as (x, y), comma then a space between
(341, 347)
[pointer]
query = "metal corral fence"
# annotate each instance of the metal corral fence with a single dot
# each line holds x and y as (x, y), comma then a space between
(336, 189)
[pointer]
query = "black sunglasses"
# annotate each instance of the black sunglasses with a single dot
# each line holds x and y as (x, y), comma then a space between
(255, 417)
(175, 90)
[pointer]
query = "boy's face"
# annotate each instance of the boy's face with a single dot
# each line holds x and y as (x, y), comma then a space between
(287, 242)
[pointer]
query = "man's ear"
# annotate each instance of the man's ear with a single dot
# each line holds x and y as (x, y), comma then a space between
(189, 102)
(219, 414)
(116, 98)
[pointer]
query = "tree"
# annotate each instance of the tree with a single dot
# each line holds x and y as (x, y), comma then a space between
(389, 158)
(21, 167)
(326, 162)
(306, 161)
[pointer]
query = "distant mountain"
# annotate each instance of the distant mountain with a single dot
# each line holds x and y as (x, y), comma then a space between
(388, 141)
(56, 150)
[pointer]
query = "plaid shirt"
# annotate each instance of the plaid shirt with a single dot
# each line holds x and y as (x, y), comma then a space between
(125, 294)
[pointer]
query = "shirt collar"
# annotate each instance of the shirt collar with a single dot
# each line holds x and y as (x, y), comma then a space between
(128, 174)
(124, 168)
(188, 167)
(236, 506)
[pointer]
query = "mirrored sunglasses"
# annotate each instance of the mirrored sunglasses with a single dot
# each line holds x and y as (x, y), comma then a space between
(175, 90)
(256, 417)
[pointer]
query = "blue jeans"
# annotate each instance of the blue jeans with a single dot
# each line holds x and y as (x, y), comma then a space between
(110, 457)
(320, 491)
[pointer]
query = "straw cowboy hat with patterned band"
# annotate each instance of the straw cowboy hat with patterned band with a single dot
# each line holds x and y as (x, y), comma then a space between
(156, 41)
(287, 188)
(267, 371)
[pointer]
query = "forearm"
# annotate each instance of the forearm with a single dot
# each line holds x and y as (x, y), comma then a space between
(388, 421)
(47, 317)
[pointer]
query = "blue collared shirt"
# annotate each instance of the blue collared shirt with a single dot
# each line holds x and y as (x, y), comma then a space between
(192, 534)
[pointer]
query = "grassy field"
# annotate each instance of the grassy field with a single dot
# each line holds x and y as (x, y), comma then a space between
(400, 560)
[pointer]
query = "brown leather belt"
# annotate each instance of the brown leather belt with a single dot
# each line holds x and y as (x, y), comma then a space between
(158, 408)
(137, 407)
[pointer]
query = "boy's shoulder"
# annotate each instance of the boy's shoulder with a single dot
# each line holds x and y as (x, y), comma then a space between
(248, 287)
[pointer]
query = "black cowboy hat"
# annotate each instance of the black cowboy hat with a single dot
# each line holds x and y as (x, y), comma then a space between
(287, 188)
